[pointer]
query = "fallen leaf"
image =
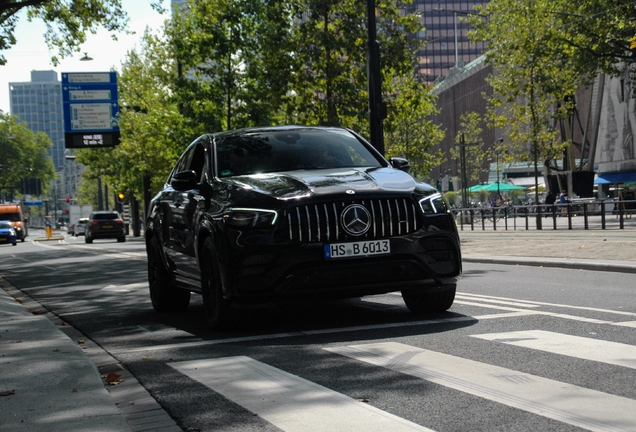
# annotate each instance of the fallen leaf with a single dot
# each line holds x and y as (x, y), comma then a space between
(113, 378)
(74, 390)
(80, 341)
(145, 357)
(38, 312)
(18, 300)
(365, 400)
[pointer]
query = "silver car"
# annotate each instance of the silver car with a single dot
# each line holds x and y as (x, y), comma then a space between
(80, 227)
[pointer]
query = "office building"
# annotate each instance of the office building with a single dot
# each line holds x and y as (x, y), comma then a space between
(38, 103)
(445, 34)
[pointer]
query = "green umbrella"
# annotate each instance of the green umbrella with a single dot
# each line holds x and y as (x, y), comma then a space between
(477, 188)
(498, 186)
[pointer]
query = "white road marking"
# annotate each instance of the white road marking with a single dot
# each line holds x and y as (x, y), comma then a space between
(578, 406)
(479, 296)
(573, 346)
(317, 332)
(287, 401)
(507, 302)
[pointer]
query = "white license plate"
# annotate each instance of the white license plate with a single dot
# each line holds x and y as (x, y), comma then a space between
(357, 249)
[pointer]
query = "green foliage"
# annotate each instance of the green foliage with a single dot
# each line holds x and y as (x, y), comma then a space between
(408, 133)
(23, 153)
(477, 155)
(153, 132)
(535, 76)
(329, 84)
(67, 21)
(227, 64)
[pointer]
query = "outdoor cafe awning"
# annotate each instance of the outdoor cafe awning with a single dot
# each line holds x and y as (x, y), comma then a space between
(616, 177)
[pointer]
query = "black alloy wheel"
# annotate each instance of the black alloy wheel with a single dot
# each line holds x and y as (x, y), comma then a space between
(164, 296)
(217, 309)
(427, 302)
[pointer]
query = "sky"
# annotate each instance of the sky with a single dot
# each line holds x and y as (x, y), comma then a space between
(31, 53)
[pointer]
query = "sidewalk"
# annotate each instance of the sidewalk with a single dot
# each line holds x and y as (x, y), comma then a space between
(52, 378)
(599, 250)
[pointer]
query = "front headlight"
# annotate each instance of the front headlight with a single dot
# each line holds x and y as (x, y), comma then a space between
(11, 232)
(18, 228)
(250, 218)
(433, 204)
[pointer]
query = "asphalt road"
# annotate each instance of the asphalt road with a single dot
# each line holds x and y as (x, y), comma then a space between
(522, 348)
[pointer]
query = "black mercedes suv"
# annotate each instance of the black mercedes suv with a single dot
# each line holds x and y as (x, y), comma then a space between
(260, 214)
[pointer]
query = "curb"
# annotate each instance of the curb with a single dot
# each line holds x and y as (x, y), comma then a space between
(579, 264)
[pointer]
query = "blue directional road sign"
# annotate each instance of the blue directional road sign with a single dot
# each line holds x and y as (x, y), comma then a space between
(91, 109)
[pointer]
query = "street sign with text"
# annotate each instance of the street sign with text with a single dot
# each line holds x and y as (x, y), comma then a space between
(91, 109)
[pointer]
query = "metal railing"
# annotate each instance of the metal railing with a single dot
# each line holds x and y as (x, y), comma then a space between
(606, 214)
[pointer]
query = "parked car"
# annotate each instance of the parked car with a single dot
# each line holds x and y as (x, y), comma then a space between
(80, 227)
(262, 214)
(104, 225)
(7, 233)
(13, 213)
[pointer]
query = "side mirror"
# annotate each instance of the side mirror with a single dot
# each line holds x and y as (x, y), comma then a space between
(401, 164)
(184, 180)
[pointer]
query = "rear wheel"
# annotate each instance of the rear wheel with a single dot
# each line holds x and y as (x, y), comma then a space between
(121, 239)
(87, 239)
(423, 302)
(164, 297)
(217, 309)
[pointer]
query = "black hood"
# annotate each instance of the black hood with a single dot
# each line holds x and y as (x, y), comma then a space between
(305, 183)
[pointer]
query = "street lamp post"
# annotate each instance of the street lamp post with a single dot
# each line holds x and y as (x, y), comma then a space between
(497, 153)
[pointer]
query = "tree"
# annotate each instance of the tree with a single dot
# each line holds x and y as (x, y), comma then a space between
(603, 34)
(535, 74)
(153, 132)
(408, 131)
(477, 155)
(67, 21)
(23, 153)
(330, 82)
(235, 61)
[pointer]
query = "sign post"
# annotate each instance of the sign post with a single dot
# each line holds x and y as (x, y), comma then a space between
(91, 109)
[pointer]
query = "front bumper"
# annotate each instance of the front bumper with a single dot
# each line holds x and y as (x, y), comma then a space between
(425, 260)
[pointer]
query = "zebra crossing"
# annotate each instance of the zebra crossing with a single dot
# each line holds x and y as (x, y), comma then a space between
(292, 403)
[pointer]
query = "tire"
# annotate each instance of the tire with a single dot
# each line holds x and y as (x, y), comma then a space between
(427, 302)
(218, 313)
(164, 296)
(87, 239)
(14, 243)
(121, 239)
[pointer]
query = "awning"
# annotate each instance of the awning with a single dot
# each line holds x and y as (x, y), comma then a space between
(524, 181)
(616, 177)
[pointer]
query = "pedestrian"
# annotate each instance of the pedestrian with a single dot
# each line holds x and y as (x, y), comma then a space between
(563, 199)
(550, 199)
(48, 227)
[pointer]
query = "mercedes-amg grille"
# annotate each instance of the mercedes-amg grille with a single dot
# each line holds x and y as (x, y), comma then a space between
(323, 222)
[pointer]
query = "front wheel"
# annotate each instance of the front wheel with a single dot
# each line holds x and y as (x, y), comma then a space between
(164, 297)
(218, 312)
(426, 302)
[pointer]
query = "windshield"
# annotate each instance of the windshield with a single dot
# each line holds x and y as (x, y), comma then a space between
(275, 151)
(105, 216)
(5, 224)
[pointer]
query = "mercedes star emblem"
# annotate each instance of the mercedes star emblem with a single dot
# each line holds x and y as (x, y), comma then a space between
(355, 220)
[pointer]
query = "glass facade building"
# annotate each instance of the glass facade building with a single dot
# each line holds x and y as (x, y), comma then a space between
(39, 104)
(446, 37)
